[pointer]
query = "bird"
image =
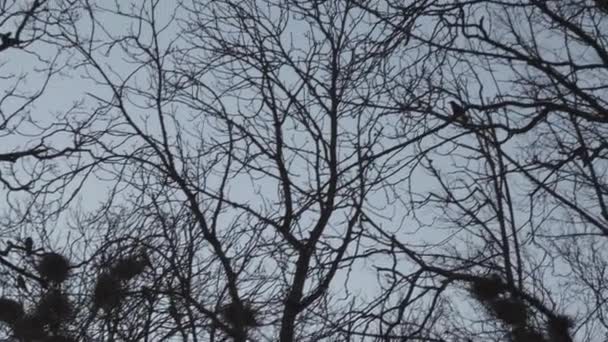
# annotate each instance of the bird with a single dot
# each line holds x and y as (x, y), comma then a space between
(29, 246)
(21, 282)
(7, 41)
(458, 113)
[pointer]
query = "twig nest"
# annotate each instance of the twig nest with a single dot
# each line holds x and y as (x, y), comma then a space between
(526, 334)
(54, 307)
(559, 328)
(239, 318)
(54, 267)
(10, 310)
(130, 267)
(29, 328)
(487, 288)
(510, 310)
(59, 338)
(108, 291)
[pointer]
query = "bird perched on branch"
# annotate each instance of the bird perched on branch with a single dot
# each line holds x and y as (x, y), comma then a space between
(459, 113)
(21, 282)
(29, 246)
(7, 41)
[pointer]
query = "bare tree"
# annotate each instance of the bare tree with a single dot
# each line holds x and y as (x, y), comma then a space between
(523, 186)
(248, 157)
(287, 170)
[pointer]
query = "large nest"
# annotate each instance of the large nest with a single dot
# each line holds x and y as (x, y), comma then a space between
(108, 291)
(54, 307)
(29, 328)
(10, 310)
(237, 317)
(510, 310)
(130, 267)
(60, 338)
(526, 334)
(54, 267)
(559, 328)
(487, 288)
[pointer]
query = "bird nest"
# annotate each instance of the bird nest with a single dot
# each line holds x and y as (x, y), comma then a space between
(54, 267)
(487, 288)
(245, 317)
(29, 328)
(128, 268)
(108, 291)
(60, 338)
(510, 310)
(526, 334)
(10, 310)
(559, 327)
(54, 307)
